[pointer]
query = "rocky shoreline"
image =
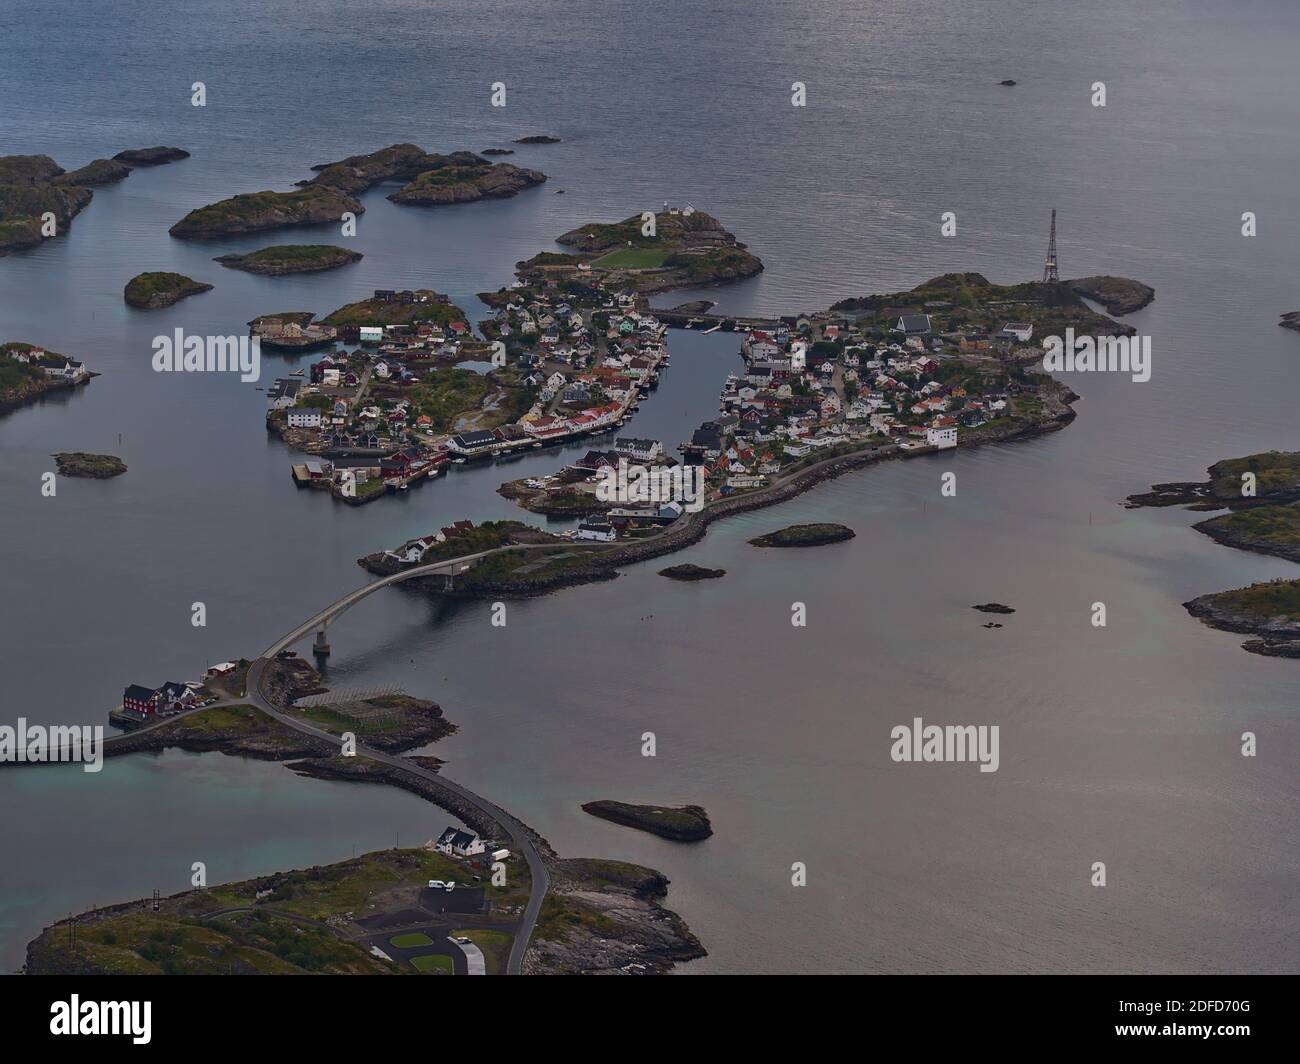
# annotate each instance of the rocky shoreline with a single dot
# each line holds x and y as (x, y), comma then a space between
(1277, 634)
(1250, 530)
(1119, 295)
(605, 919)
(34, 388)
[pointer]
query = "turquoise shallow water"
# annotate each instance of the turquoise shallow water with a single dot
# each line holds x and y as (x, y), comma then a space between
(1117, 745)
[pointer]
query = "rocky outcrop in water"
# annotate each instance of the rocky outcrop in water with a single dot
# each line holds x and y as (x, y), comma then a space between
(256, 212)
(151, 156)
(686, 823)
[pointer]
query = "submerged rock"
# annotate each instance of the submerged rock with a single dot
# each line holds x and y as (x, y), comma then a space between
(151, 156)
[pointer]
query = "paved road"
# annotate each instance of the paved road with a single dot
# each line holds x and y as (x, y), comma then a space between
(523, 844)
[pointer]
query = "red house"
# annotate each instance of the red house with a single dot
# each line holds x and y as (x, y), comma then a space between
(142, 701)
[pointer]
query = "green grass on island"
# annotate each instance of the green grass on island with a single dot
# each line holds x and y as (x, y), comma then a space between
(1275, 472)
(301, 924)
(632, 259)
(291, 258)
(435, 310)
(446, 393)
(1271, 529)
(17, 376)
(161, 289)
(1271, 599)
(255, 211)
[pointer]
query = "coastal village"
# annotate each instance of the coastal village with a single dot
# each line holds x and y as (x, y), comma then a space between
(573, 346)
(903, 379)
(561, 360)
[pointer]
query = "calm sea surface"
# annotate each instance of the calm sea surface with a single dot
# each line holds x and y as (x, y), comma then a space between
(1118, 744)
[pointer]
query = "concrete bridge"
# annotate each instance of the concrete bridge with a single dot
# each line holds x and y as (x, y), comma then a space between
(448, 569)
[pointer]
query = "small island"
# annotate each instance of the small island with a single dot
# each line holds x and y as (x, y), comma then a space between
(153, 291)
(29, 190)
(814, 535)
(1276, 475)
(466, 183)
(1270, 611)
(1262, 529)
(281, 259)
(539, 138)
(689, 248)
(27, 372)
(151, 156)
(94, 466)
(993, 607)
(497, 151)
(95, 173)
(256, 212)
(691, 572)
(1264, 520)
(430, 179)
(686, 823)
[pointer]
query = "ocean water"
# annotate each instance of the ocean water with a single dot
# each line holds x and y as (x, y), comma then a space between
(1118, 745)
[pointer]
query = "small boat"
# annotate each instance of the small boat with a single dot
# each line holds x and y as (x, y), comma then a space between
(297, 373)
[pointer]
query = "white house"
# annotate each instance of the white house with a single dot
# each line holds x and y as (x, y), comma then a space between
(640, 450)
(941, 437)
(602, 533)
(304, 419)
(460, 843)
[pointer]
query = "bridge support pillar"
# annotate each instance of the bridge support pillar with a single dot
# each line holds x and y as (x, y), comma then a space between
(321, 647)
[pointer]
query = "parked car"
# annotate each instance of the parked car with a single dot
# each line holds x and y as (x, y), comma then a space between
(437, 884)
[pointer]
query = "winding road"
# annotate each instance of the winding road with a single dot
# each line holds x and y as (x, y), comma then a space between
(541, 879)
